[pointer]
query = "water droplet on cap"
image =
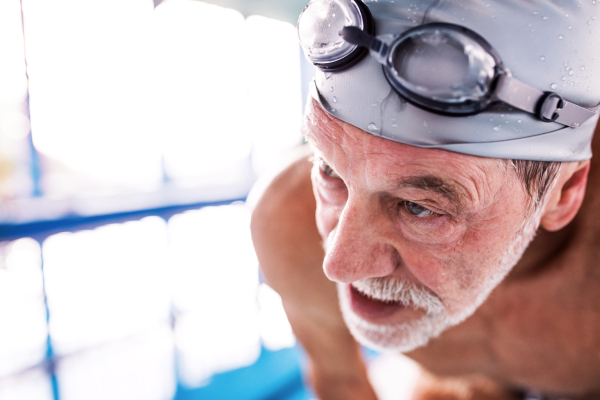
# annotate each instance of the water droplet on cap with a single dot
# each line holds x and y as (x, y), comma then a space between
(553, 86)
(570, 27)
(372, 127)
(374, 105)
(535, 12)
(334, 99)
(331, 89)
(543, 58)
(544, 18)
(561, 37)
(497, 128)
(571, 73)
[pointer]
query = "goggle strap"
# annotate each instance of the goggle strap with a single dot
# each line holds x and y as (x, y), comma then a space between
(357, 36)
(547, 106)
(573, 115)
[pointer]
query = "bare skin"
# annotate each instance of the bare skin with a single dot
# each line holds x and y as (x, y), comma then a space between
(537, 329)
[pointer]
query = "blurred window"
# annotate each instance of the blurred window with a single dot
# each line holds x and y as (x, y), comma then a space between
(110, 108)
(139, 107)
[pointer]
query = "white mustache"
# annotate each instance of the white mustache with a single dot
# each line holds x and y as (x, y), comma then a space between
(401, 291)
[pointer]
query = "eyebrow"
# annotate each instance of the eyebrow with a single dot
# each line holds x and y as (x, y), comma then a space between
(435, 184)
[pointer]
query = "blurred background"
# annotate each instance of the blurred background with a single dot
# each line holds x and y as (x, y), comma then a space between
(131, 132)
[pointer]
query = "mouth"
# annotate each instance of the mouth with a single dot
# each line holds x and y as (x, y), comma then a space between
(371, 309)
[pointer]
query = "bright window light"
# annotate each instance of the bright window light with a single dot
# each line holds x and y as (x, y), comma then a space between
(128, 102)
(219, 343)
(215, 280)
(138, 368)
(273, 71)
(123, 95)
(23, 329)
(107, 283)
(33, 384)
(13, 81)
(15, 179)
(90, 75)
(202, 91)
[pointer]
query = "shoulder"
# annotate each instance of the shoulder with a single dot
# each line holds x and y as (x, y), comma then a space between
(281, 189)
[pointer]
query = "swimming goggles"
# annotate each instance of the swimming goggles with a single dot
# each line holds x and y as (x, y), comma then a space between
(443, 68)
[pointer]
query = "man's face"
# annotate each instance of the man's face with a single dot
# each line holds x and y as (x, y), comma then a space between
(416, 238)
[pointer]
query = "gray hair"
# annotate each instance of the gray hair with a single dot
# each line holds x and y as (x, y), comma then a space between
(537, 178)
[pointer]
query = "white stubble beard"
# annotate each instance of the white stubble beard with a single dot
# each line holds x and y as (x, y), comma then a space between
(436, 319)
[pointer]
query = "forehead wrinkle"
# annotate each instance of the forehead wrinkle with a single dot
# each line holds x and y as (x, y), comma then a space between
(330, 138)
(480, 173)
(462, 179)
(318, 125)
(471, 183)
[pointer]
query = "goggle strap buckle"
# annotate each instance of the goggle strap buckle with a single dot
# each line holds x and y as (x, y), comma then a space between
(547, 106)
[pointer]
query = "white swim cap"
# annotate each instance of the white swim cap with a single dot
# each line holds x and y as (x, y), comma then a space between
(550, 46)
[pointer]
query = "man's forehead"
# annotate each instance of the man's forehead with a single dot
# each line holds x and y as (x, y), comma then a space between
(451, 174)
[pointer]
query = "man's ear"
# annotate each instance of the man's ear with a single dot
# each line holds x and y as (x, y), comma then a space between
(566, 196)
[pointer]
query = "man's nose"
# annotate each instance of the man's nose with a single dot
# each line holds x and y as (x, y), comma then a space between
(356, 248)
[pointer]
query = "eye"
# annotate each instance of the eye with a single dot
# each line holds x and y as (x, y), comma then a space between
(417, 210)
(327, 170)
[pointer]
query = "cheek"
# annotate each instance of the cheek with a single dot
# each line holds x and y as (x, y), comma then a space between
(428, 252)
(459, 271)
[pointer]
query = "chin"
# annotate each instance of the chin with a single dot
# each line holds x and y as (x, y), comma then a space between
(402, 338)
(402, 332)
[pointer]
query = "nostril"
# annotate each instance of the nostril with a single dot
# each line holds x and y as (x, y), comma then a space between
(347, 262)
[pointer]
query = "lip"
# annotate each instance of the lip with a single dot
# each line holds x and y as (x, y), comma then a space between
(370, 309)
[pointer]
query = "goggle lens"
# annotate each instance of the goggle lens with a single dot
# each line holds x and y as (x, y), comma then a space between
(442, 66)
(319, 26)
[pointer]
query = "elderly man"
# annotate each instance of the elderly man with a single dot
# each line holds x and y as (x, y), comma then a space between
(446, 135)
